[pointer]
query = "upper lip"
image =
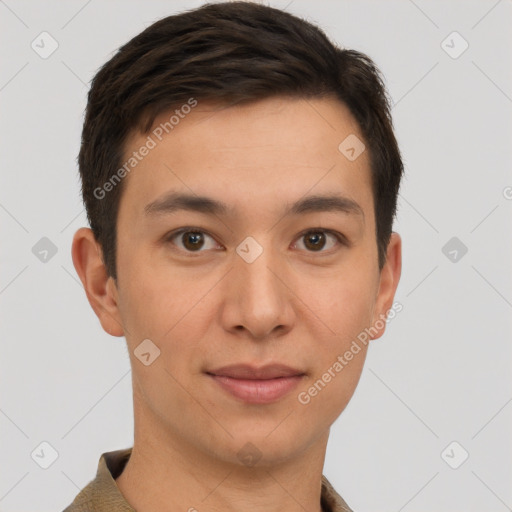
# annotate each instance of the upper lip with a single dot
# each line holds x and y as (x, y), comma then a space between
(247, 371)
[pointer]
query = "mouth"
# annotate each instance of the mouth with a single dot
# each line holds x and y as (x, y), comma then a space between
(257, 385)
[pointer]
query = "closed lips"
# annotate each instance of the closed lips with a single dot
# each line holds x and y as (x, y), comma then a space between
(248, 372)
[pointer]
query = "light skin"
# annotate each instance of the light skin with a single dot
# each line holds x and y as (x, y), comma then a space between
(302, 302)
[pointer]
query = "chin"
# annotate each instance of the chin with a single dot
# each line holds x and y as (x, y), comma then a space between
(264, 445)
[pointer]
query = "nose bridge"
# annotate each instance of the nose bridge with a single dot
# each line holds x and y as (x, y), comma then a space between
(259, 299)
(259, 280)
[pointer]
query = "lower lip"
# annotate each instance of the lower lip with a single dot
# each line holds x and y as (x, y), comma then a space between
(258, 391)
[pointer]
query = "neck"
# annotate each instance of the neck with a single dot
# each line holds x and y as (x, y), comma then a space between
(166, 473)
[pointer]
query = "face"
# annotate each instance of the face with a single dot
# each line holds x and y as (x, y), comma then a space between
(247, 255)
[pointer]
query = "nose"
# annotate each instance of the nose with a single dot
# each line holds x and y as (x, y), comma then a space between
(258, 299)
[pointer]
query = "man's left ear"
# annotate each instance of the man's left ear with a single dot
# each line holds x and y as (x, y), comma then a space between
(389, 278)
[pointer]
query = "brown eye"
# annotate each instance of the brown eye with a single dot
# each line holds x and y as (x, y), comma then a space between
(191, 240)
(319, 240)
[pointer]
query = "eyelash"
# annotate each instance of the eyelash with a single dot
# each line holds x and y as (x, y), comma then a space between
(340, 238)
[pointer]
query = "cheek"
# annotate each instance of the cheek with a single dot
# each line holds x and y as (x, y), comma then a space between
(331, 389)
(341, 303)
(342, 311)
(157, 301)
(172, 311)
(340, 356)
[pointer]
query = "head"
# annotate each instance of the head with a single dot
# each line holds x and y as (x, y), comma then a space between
(283, 144)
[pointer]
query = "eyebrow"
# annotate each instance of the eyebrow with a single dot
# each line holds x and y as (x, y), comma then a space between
(174, 201)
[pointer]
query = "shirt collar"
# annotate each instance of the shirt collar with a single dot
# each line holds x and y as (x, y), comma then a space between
(103, 495)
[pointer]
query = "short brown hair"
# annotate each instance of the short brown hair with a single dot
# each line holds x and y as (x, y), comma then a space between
(231, 53)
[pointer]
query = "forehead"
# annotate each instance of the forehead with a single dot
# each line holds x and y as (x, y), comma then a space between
(250, 156)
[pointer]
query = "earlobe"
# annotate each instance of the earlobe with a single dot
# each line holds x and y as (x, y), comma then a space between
(100, 289)
(389, 278)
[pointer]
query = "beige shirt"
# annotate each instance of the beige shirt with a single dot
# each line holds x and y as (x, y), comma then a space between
(103, 495)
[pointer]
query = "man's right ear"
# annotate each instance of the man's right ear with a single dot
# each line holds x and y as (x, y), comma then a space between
(101, 290)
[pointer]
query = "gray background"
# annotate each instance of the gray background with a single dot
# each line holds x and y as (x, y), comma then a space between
(442, 371)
